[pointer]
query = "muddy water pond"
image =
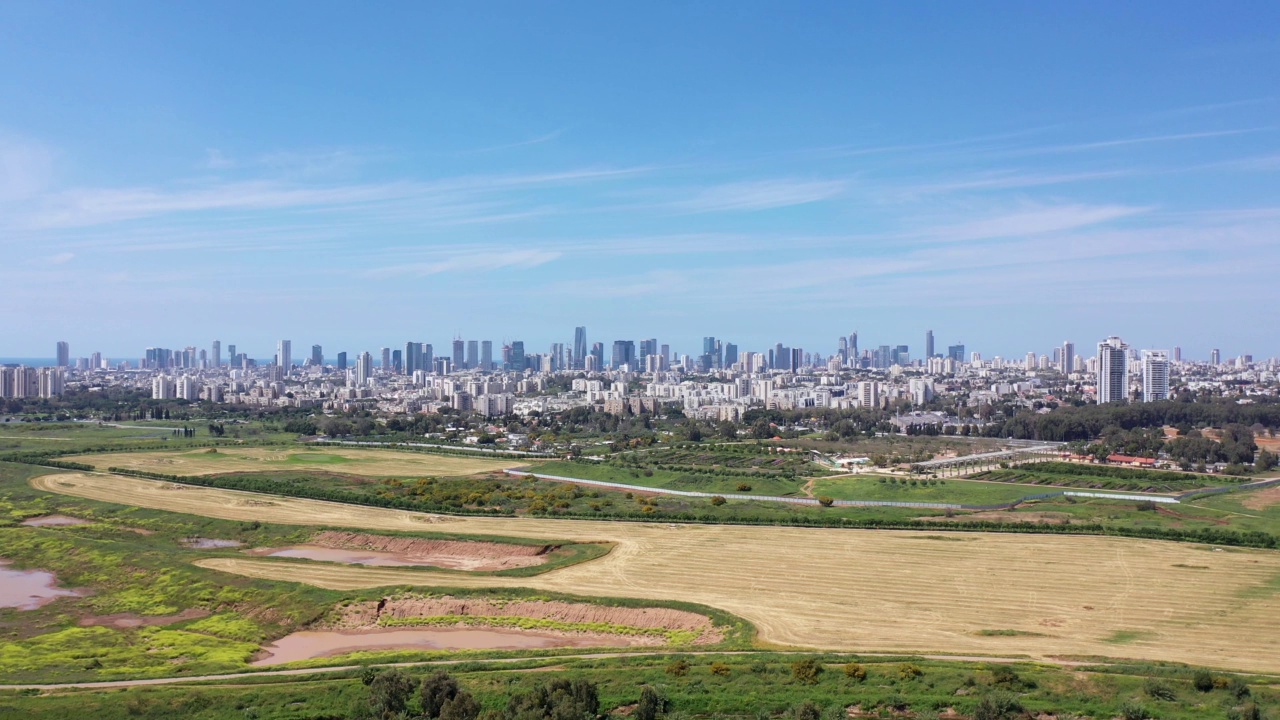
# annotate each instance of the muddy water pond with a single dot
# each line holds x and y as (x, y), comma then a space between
(327, 643)
(54, 521)
(29, 589)
(339, 555)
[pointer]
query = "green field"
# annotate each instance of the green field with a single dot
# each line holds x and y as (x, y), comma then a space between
(750, 687)
(676, 479)
(1093, 477)
(69, 437)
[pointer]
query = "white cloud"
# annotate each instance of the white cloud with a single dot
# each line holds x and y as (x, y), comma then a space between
(760, 195)
(61, 258)
(472, 262)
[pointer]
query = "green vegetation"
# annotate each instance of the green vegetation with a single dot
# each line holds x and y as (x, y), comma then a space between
(961, 492)
(755, 685)
(1103, 477)
(672, 637)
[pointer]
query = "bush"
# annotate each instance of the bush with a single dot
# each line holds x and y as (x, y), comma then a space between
(1202, 681)
(855, 671)
(997, 706)
(909, 671)
(719, 668)
(650, 706)
(807, 711)
(744, 487)
(825, 501)
(1159, 690)
(678, 668)
(718, 500)
(1134, 710)
(806, 671)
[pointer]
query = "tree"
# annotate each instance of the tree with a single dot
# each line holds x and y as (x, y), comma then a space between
(650, 706)
(719, 668)
(1134, 710)
(807, 711)
(806, 671)
(436, 690)
(997, 705)
(825, 501)
(1202, 681)
(389, 695)
(678, 667)
(855, 671)
(460, 707)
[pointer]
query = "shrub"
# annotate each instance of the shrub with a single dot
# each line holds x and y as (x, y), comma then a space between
(1202, 681)
(719, 668)
(718, 500)
(759, 667)
(650, 706)
(997, 705)
(678, 668)
(1159, 690)
(855, 671)
(909, 671)
(1238, 688)
(806, 671)
(825, 501)
(807, 711)
(744, 487)
(1134, 710)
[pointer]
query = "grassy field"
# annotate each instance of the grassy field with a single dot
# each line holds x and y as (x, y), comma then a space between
(1103, 478)
(351, 461)
(840, 589)
(745, 686)
(674, 479)
(92, 437)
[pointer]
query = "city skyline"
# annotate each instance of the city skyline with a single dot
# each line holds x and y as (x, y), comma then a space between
(463, 173)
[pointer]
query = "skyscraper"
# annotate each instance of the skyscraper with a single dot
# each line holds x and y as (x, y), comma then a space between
(1155, 375)
(459, 351)
(624, 353)
(486, 355)
(1113, 371)
(386, 359)
(1177, 354)
(928, 344)
(231, 354)
(426, 357)
(364, 367)
(648, 347)
(64, 353)
(853, 345)
(579, 346)
(517, 355)
(342, 361)
(1068, 364)
(217, 353)
(597, 350)
(1215, 357)
(730, 354)
(956, 352)
(473, 353)
(284, 354)
(317, 355)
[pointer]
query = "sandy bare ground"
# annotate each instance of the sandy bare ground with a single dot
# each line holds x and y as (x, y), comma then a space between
(454, 554)
(1262, 499)
(366, 462)
(836, 589)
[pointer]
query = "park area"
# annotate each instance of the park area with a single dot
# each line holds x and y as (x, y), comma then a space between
(351, 461)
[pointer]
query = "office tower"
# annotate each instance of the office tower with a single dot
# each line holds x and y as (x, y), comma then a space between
(843, 344)
(1113, 371)
(342, 360)
(284, 355)
(1177, 354)
(427, 360)
(231, 353)
(624, 353)
(473, 353)
(928, 344)
(730, 354)
(517, 355)
(64, 353)
(665, 351)
(901, 355)
(853, 344)
(580, 346)
(459, 354)
(1215, 357)
(1155, 375)
(597, 351)
(386, 359)
(956, 352)
(412, 357)
(648, 347)
(1068, 357)
(486, 355)
(317, 355)
(797, 359)
(95, 361)
(397, 361)
(217, 353)
(364, 368)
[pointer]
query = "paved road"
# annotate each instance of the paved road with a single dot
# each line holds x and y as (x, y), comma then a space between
(105, 685)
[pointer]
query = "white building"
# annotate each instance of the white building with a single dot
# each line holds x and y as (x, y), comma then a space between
(1113, 371)
(1155, 375)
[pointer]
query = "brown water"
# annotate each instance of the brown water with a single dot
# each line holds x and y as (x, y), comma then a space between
(327, 643)
(198, 543)
(339, 555)
(54, 521)
(29, 589)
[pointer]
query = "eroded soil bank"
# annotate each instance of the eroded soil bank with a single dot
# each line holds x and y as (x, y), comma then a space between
(391, 551)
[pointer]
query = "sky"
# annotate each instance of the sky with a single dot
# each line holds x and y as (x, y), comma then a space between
(1009, 175)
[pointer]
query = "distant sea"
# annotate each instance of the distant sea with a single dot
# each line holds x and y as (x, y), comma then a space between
(29, 362)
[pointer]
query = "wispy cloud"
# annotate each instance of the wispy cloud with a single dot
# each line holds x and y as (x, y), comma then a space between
(545, 138)
(26, 168)
(760, 195)
(1031, 220)
(473, 262)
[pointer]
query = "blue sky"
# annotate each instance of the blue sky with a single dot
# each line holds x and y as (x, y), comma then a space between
(1008, 174)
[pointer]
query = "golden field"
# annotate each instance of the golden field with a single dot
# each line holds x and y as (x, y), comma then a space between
(350, 461)
(837, 589)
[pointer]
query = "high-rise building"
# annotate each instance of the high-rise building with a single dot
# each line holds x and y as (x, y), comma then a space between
(730, 354)
(397, 361)
(956, 352)
(597, 351)
(486, 355)
(1215, 357)
(853, 344)
(517, 355)
(364, 369)
(579, 346)
(1068, 361)
(427, 360)
(231, 353)
(1113, 371)
(624, 353)
(648, 347)
(342, 361)
(64, 353)
(459, 354)
(1177, 354)
(928, 344)
(317, 355)
(473, 353)
(49, 382)
(386, 359)
(1155, 375)
(869, 394)
(412, 357)
(284, 355)
(217, 353)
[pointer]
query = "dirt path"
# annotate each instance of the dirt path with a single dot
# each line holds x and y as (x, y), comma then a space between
(109, 684)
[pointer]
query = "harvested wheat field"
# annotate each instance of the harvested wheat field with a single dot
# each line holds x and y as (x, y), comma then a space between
(348, 461)
(839, 589)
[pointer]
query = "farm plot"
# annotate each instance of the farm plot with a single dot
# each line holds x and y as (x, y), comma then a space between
(353, 461)
(839, 589)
